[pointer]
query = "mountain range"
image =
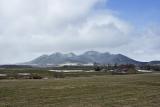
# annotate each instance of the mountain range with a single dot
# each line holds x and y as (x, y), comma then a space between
(85, 58)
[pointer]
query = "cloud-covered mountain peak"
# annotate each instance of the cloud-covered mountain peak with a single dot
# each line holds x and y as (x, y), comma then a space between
(91, 53)
(70, 54)
(85, 58)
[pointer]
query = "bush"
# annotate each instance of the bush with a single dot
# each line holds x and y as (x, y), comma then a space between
(59, 75)
(36, 76)
(132, 71)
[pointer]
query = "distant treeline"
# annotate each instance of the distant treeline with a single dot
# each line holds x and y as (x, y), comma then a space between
(15, 66)
(73, 68)
(95, 67)
(150, 67)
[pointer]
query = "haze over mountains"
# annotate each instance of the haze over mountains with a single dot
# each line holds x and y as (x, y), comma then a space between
(85, 58)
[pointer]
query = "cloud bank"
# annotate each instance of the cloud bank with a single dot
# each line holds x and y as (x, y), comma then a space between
(29, 28)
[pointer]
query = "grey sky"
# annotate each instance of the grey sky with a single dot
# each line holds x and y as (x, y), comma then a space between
(29, 28)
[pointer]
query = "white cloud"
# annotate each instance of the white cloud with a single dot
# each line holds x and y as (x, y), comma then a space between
(146, 44)
(29, 28)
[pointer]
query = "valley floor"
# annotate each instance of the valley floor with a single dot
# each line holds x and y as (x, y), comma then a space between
(141, 90)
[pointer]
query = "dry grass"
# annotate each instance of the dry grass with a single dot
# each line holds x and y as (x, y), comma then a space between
(141, 90)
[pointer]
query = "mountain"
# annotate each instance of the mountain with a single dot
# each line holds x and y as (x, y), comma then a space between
(154, 63)
(85, 58)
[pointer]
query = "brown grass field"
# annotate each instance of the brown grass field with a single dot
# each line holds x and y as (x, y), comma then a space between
(140, 90)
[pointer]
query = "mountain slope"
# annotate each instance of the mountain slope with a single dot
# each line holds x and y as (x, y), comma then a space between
(154, 63)
(85, 58)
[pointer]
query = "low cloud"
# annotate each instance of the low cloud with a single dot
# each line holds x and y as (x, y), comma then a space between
(30, 28)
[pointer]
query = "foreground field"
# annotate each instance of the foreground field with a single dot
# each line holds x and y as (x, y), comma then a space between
(141, 90)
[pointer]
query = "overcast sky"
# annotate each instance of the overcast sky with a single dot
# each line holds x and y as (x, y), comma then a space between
(30, 28)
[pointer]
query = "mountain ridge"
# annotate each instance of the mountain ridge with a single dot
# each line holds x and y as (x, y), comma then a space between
(85, 58)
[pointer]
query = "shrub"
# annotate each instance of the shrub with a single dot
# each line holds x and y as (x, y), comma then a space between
(36, 76)
(59, 75)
